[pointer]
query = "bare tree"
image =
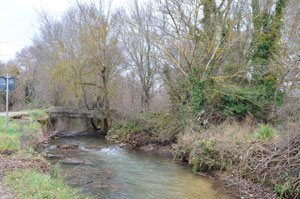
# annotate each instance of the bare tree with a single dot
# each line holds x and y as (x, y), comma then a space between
(139, 25)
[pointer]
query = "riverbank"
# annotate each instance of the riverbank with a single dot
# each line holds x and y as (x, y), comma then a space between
(106, 170)
(19, 146)
(252, 160)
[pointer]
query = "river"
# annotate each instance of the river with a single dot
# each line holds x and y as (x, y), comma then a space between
(111, 172)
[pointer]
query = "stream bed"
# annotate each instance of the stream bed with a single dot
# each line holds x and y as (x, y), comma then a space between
(106, 171)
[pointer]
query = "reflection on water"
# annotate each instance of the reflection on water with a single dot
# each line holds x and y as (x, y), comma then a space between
(118, 173)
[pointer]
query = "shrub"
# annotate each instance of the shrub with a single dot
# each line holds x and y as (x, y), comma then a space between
(149, 128)
(215, 148)
(204, 156)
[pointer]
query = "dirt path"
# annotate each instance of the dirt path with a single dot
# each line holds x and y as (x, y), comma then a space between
(14, 113)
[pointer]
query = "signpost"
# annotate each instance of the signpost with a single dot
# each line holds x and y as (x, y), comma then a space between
(7, 84)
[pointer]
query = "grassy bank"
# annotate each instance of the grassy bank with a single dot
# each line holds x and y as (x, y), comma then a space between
(246, 154)
(31, 184)
(24, 132)
(22, 169)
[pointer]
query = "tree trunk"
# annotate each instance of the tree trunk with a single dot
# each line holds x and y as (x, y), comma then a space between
(145, 100)
(107, 119)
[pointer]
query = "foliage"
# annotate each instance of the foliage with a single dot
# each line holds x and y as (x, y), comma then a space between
(286, 188)
(210, 99)
(158, 128)
(267, 27)
(265, 132)
(204, 156)
(216, 147)
(29, 184)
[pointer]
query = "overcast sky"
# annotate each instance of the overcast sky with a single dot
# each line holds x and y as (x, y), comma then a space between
(19, 22)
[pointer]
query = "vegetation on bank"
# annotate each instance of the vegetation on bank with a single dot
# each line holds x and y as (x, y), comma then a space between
(257, 153)
(26, 174)
(222, 77)
(260, 153)
(148, 128)
(222, 108)
(29, 184)
(23, 133)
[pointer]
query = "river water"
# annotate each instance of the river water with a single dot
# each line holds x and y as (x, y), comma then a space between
(111, 172)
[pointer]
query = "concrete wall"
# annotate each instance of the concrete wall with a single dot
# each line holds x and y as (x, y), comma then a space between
(70, 124)
(70, 120)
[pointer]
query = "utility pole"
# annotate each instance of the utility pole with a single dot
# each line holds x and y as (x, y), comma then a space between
(7, 101)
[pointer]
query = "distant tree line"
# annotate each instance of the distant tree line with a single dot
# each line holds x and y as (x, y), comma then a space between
(211, 59)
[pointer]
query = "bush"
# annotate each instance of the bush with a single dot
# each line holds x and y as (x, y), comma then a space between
(204, 156)
(217, 147)
(149, 128)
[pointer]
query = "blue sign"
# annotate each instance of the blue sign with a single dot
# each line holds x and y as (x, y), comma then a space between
(2, 84)
(11, 84)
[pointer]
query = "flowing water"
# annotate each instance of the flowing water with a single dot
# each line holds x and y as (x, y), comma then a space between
(112, 172)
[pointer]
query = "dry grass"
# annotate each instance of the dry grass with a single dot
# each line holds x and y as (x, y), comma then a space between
(271, 163)
(10, 163)
(276, 163)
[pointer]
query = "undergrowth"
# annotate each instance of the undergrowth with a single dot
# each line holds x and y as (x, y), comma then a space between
(254, 153)
(157, 128)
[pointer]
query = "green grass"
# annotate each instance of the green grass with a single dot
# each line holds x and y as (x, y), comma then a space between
(9, 143)
(265, 132)
(22, 130)
(20, 138)
(9, 139)
(37, 113)
(29, 184)
(13, 126)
